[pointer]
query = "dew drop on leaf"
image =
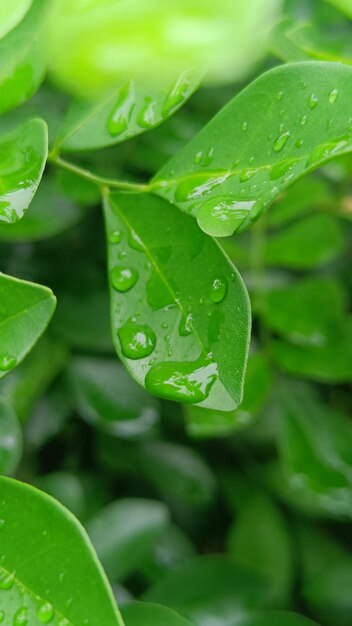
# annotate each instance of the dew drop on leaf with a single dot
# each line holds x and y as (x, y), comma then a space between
(303, 120)
(218, 289)
(137, 340)
(45, 612)
(2, 616)
(6, 580)
(21, 617)
(182, 381)
(313, 101)
(146, 116)
(177, 94)
(244, 126)
(221, 216)
(247, 174)
(7, 362)
(333, 95)
(115, 236)
(185, 325)
(281, 141)
(123, 278)
(118, 120)
(134, 241)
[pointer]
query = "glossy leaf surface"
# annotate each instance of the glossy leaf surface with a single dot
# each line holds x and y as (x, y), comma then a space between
(288, 122)
(23, 154)
(180, 312)
(148, 614)
(131, 110)
(26, 310)
(11, 439)
(125, 531)
(49, 571)
(23, 57)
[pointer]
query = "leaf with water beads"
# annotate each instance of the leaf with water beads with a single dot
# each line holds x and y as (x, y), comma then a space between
(49, 572)
(180, 311)
(288, 122)
(26, 309)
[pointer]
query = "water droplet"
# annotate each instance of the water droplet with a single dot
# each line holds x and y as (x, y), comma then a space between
(281, 169)
(218, 289)
(185, 326)
(46, 612)
(123, 278)
(196, 187)
(134, 241)
(251, 160)
(2, 616)
(115, 236)
(313, 101)
(281, 141)
(178, 94)
(63, 622)
(137, 340)
(182, 381)
(244, 126)
(120, 115)
(2, 524)
(280, 95)
(21, 617)
(247, 174)
(221, 216)
(333, 95)
(7, 362)
(204, 159)
(303, 120)
(299, 143)
(146, 116)
(6, 580)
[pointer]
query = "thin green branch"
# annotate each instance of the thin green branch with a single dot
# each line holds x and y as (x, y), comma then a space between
(94, 178)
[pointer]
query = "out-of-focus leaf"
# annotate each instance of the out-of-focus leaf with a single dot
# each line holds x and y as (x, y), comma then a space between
(23, 153)
(124, 532)
(49, 571)
(343, 5)
(310, 242)
(272, 133)
(26, 310)
(49, 416)
(11, 13)
(108, 398)
(180, 311)
(66, 488)
(275, 618)
(260, 539)
(171, 550)
(23, 57)
(11, 440)
(306, 195)
(178, 472)
(148, 614)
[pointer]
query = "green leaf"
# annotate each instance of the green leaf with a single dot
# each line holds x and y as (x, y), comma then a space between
(315, 445)
(330, 362)
(124, 532)
(50, 214)
(202, 422)
(210, 585)
(148, 614)
(343, 5)
(127, 112)
(260, 539)
(178, 472)
(23, 154)
(275, 618)
(310, 242)
(49, 571)
(180, 311)
(11, 14)
(26, 310)
(107, 397)
(305, 196)
(23, 57)
(66, 488)
(172, 548)
(11, 440)
(309, 312)
(287, 123)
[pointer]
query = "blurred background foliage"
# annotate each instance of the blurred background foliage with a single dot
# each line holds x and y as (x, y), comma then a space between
(215, 514)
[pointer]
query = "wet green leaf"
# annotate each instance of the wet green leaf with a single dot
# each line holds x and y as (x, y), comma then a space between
(11, 440)
(287, 123)
(180, 312)
(108, 397)
(26, 310)
(127, 112)
(23, 57)
(148, 614)
(124, 532)
(23, 153)
(172, 548)
(49, 572)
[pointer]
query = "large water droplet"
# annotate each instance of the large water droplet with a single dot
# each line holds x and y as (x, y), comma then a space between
(135, 241)
(218, 289)
(221, 216)
(185, 326)
(313, 101)
(2, 616)
(304, 120)
(247, 174)
(333, 95)
(7, 580)
(7, 362)
(197, 186)
(123, 278)
(281, 141)
(204, 158)
(46, 612)
(281, 169)
(115, 236)
(177, 94)
(120, 115)
(137, 340)
(21, 617)
(146, 116)
(184, 382)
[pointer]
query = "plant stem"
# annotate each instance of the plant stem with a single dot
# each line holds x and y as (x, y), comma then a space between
(94, 178)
